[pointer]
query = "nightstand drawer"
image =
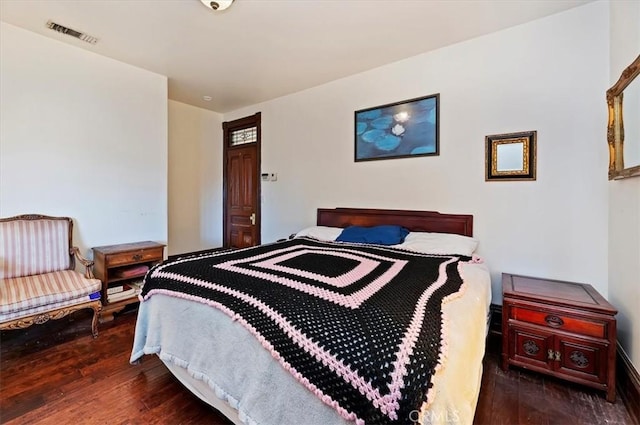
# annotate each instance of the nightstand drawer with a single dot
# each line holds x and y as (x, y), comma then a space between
(559, 321)
(153, 254)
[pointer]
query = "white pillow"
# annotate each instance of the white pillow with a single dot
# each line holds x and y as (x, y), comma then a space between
(322, 233)
(439, 243)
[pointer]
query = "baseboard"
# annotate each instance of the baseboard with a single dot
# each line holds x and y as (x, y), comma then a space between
(628, 384)
(494, 338)
(495, 327)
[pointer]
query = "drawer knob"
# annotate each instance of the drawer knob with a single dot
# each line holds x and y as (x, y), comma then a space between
(137, 257)
(553, 320)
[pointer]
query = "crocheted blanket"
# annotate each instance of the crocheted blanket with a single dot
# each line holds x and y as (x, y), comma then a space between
(359, 325)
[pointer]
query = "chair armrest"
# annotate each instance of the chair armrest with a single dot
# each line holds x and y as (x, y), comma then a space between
(87, 263)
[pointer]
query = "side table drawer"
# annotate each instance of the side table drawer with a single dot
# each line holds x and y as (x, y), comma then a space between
(134, 256)
(559, 321)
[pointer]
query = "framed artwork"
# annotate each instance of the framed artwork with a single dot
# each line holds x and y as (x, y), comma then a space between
(510, 156)
(398, 130)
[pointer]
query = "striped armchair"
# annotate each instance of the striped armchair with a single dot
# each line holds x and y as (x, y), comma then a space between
(38, 280)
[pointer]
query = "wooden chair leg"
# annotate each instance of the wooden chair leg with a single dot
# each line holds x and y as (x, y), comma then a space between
(96, 316)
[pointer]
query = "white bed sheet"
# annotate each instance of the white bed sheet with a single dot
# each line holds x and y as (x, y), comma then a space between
(255, 389)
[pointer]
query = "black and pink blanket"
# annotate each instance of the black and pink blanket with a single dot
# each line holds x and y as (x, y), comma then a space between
(359, 325)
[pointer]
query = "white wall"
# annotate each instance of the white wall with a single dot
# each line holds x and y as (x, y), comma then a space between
(195, 178)
(83, 136)
(624, 199)
(549, 75)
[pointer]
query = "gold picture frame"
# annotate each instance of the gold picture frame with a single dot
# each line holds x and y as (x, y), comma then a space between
(510, 156)
(620, 168)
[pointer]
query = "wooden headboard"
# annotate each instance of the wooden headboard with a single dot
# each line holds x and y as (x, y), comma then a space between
(416, 221)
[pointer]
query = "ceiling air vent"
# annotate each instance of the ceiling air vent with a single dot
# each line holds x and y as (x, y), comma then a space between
(73, 33)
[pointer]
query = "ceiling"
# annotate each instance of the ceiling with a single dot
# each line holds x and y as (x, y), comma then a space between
(259, 50)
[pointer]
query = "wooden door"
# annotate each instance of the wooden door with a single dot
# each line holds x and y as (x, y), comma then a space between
(241, 227)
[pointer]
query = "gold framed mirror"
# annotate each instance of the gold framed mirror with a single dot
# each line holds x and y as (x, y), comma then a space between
(510, 156)
(623, 129)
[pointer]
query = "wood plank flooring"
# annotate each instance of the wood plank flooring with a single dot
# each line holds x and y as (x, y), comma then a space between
(58, 374)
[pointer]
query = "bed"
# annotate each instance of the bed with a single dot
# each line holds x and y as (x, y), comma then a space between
(263, 376)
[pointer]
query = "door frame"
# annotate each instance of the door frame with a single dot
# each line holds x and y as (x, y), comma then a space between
(227, 128)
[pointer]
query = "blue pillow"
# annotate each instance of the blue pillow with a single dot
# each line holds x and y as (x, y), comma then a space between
(381, 235)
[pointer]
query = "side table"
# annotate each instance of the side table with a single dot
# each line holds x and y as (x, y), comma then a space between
(562, 329)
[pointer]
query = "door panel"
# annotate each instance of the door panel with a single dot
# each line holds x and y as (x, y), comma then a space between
(583, 359)
(531, 347)
(242, 178)
(235, 171)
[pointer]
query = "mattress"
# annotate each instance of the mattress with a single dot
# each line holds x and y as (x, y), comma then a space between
(227, 367)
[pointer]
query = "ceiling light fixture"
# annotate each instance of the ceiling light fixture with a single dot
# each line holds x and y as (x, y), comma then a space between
(217, 5)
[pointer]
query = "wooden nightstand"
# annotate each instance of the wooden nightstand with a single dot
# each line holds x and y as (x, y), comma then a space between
(563, 329)
(123, 266)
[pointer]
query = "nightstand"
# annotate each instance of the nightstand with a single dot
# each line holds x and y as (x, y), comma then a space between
(562, 329)
(121, 268)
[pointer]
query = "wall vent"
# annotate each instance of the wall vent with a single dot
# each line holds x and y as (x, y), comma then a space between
(73, 33)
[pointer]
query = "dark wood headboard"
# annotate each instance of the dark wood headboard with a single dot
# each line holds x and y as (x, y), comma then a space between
(416, 221)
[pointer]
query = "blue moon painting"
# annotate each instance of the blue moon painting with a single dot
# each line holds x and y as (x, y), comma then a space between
(398, 130)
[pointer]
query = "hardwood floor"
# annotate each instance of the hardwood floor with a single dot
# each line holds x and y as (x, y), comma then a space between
(58, 374)
(523, 397)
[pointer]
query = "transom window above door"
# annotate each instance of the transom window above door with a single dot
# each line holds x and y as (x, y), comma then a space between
(243, 136)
